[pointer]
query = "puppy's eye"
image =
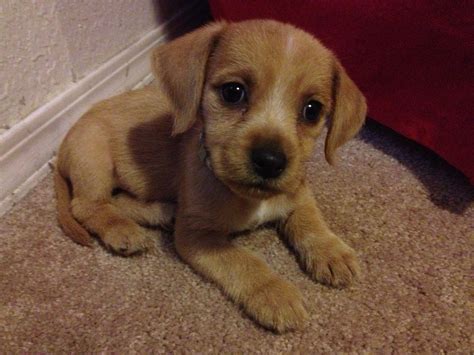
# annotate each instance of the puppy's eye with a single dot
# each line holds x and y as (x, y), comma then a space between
(312, 110)
(233, 93)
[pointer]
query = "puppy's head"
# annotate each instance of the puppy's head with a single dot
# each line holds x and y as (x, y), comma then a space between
(263, 90)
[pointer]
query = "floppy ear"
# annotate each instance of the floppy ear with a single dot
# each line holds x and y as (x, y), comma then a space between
(347, 114)
(180, 67)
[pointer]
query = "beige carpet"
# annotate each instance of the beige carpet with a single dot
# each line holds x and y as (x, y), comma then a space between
(408, 214)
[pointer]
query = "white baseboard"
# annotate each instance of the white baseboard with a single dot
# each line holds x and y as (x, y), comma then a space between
(27, 147)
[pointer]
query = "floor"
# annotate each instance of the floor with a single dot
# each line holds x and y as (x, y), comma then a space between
(409, 215)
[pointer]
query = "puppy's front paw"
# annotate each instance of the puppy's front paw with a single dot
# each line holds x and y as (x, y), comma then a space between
(333, 262)
(128, 240)
(277, 305)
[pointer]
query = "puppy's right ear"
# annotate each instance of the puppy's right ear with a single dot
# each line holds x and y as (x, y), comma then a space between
(180, 66)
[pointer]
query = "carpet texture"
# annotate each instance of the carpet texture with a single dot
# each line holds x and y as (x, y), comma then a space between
(408, 214)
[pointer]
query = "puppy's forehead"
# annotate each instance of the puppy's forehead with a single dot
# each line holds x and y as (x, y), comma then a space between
(272, 48)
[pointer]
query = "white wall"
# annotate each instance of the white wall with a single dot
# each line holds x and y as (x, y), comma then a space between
(58, 57)
(47, 45)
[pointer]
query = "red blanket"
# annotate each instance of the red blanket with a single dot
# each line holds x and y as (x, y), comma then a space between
(412, 59)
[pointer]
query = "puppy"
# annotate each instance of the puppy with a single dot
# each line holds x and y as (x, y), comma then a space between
(218, 145)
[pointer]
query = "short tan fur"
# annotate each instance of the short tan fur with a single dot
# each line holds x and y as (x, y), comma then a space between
(136, 160)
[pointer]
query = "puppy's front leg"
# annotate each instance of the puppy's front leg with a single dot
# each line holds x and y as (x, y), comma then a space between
(324, 255)
(266, 297)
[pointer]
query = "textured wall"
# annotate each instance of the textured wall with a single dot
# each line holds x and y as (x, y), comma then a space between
(46, 45)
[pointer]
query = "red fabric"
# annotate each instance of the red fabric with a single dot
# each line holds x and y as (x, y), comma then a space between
(412, 60)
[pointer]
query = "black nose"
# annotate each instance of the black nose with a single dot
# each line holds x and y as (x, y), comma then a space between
(267, 163)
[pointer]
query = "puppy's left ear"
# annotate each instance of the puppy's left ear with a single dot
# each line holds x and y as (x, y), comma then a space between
(348, 112)
(180, 67)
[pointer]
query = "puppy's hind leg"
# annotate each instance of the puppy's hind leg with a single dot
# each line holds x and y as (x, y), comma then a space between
(92, 178)
(146, 213)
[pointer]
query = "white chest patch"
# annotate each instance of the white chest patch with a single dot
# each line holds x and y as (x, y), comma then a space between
(269, 210)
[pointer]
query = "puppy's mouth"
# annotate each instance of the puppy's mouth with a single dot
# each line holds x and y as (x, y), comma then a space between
(259, 190)
(260, 174)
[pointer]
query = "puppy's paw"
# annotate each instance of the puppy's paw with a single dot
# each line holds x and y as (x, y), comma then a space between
(163, 215)
(167, 223)
(128, 240)
(333, 263)
(277, 305)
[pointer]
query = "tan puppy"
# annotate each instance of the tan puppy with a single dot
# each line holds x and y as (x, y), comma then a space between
(222, 137)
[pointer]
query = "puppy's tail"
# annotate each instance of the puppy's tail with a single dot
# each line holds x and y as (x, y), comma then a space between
(68, 223)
